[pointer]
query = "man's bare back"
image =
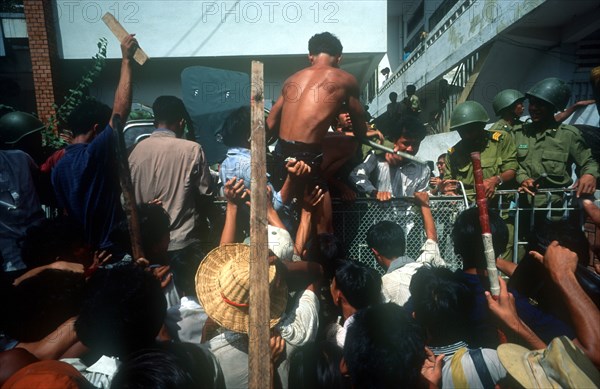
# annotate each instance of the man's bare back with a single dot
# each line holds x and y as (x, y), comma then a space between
(311, 98)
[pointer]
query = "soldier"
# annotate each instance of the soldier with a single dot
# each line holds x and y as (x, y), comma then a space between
(498, 158)
(546, 149)
(498, 153)
(508, 105)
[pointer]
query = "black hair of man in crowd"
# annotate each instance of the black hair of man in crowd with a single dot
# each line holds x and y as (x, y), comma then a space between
(466, 236)
(168, 110)
(87, 115)
(384, 348)
(170, 365)
(325, 42)
(441, 304)
(316, 366)
(387, 238)
(40, 304)
(236, 128)
(360, 285)
(124, 308)
(409, 127)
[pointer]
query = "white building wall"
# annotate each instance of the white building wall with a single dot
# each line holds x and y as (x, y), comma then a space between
(479, 24)
(172, 29)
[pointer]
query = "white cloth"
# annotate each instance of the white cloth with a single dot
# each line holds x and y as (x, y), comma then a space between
(300, 325)
(376, 174)
(186, 321)
(337, 333)
(99, 374)
(395, 284)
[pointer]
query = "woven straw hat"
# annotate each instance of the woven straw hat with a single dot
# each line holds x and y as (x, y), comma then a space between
(223, 287)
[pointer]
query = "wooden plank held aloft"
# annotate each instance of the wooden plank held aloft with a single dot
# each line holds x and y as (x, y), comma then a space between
(129, 203)
(117, 29)
(258, 330)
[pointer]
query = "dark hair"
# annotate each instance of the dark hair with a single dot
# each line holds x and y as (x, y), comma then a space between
(315, 366)
(442, 303)
(53, 238)
(87, 114)
(360, 284)
(168, 109)
(325, 42)
(409, 127)
(384, 348)
(170, 365)
(39, 304)
(387, 238)
(442, 156)
(393, 96)
(123, 310)
(236, 129)
(411, 89)
(326, 249)
(568, 234)
(466, 237)
(154, 225)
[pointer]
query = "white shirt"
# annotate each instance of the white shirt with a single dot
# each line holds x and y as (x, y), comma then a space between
(395, 285)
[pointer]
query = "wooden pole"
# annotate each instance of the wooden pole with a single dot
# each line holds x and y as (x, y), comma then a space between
(129, 203)
(258, 329)
(484, 220)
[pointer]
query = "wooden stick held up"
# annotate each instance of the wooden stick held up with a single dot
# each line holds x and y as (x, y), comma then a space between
(129, 203)
(117, 29)
(484, 220)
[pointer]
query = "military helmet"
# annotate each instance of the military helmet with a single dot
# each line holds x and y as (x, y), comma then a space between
(467, 113)
(16, 125)
(505, 99)
(553, 91)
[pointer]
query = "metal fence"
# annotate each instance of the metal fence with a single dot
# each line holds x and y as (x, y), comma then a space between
(351, 222)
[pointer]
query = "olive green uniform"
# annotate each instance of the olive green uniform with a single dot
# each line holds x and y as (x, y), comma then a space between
(552, 151)
(503, 125)
(498, 156)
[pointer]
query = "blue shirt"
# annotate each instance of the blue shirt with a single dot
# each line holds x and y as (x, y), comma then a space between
(20, 207)
(86, 184)
(237, 164)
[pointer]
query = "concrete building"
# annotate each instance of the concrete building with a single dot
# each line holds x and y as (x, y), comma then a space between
(454, 50)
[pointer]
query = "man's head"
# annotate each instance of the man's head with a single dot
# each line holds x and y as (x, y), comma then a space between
(344, 120)
(356, 285)
(469, 119)
(170, 113)
(123, 310)
(547, 97)
(386, 240)
(393, 97)
(407, 136)
(236, 129)
(411, 90)
(89, 118)
(384, 348)
(509, 104)
(325, 43)
(441, 164)
(466, 237)
(441, 303)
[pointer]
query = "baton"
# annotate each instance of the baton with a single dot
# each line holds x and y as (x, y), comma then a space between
(484, 220)
(391, 151)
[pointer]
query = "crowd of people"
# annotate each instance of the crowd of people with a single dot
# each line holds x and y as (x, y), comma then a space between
(85, 311)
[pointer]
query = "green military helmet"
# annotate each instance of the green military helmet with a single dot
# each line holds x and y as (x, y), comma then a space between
(505, 99)
(16, 125)
(553, 91)
(467, 113)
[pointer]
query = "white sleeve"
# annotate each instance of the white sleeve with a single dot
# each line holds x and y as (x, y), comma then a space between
(430, 253)
(300, 326)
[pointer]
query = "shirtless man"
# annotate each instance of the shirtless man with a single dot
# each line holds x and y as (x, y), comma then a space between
(309, 101)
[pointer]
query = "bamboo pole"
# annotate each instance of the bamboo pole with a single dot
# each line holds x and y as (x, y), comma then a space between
(258, 329)
(129, 204)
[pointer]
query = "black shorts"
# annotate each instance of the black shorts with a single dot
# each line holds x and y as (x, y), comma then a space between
(309, 153)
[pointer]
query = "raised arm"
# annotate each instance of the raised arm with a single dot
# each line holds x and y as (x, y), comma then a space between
(122, 103)
(357, 113)
(561, 263)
